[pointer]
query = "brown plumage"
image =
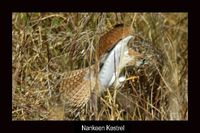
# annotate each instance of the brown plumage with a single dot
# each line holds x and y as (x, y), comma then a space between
(110, 39)
(76, 87)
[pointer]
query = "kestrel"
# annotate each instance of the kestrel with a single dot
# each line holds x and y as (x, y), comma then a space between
(114, 53)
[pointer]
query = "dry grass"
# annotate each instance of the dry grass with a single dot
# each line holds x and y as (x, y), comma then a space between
(47, 44)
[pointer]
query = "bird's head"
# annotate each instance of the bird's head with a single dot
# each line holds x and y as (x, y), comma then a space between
(133, 58)
(129, 57)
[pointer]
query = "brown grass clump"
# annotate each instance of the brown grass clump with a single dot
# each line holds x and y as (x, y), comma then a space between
(45, 45)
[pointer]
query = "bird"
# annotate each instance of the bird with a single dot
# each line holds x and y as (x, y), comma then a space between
(114, 54)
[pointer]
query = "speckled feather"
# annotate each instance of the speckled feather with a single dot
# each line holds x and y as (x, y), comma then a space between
(76, 87)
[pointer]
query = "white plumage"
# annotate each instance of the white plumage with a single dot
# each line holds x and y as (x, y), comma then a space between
(115, 61)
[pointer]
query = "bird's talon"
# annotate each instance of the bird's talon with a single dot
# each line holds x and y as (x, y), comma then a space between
(133, 78)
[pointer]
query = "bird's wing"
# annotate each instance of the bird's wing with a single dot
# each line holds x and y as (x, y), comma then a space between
(111, 63)
(110, 39)
(72, 79)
